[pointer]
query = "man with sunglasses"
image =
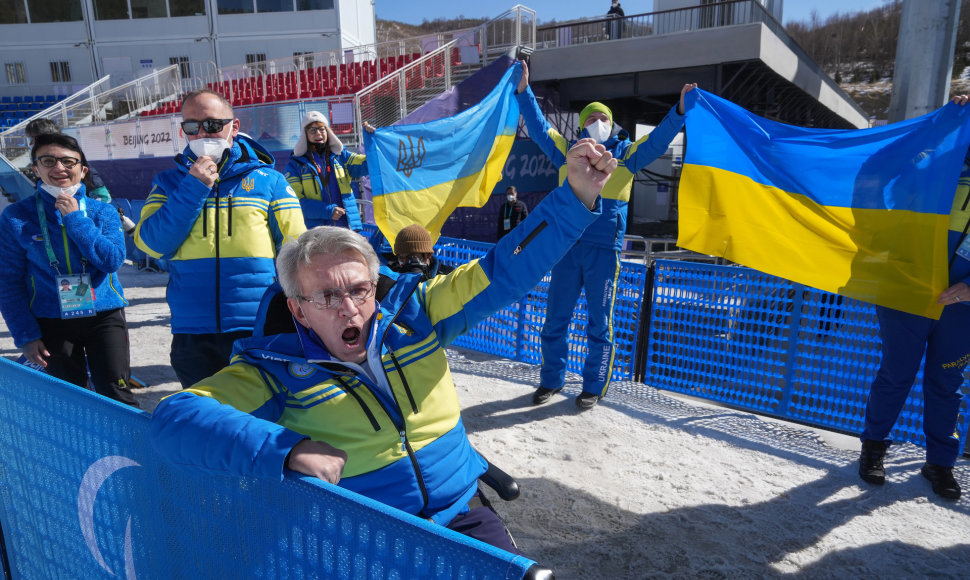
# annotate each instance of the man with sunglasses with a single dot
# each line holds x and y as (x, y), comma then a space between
(358, 392)
(219, 218)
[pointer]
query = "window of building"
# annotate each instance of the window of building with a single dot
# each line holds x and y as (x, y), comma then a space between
(148, 9)
(110, 9)
(61, 71)
(12, 12)
(184, 69)
(235, 6)
(274, 5)
(15, 73)
(187, 7)
(61, 11)
(314, 4)
(257, 62)
(303, 60)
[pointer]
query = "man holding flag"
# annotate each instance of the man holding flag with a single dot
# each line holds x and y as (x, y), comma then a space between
(863, 214)
(946, 343)
(593, 263)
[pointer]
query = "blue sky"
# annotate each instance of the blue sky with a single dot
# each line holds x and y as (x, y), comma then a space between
(415, 11)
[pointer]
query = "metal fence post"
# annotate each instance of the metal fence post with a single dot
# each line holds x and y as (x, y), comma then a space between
(643, 328)
(791, 355)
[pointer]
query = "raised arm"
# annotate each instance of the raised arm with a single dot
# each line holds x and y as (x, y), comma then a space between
(513, 267)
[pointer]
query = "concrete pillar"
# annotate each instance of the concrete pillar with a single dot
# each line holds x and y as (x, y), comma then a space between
(924, 57)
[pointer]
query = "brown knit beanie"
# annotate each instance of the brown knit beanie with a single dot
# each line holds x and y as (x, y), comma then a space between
(413, 239)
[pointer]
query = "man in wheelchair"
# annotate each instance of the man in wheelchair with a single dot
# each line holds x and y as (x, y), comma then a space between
(357, 391)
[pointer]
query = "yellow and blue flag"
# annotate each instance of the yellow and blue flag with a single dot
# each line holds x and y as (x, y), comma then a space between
(421, 173)
(862, 213)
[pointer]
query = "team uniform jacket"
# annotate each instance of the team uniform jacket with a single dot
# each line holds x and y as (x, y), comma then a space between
(318, 201)
(28, 284)
(609, 230)
(959, 218)
(406, 448)
(221, 242)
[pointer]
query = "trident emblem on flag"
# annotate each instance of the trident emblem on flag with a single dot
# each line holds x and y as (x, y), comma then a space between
(410, 155)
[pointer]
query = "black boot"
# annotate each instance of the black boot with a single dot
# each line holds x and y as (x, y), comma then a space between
(941, 476)
(870, 461)
(543, 394)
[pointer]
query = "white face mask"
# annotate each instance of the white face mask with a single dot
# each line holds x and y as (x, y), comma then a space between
(210, 147)
(55, 191)
(511, 198)
(599, 131)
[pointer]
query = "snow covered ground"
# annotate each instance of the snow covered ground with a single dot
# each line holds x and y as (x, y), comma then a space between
(651, 485)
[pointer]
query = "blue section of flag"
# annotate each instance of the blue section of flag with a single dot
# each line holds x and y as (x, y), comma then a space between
(911, 165)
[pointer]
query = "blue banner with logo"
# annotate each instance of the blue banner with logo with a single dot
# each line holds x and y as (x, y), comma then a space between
(83, 495)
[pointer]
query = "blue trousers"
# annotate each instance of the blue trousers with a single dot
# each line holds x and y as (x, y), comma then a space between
(905, 338)
(593, 269)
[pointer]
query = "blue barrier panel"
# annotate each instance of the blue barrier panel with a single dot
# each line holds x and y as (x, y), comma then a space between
(514, 332)
(82, 495)
(758, 342)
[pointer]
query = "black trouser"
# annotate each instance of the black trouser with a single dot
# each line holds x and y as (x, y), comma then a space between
(97, 344)
(198, 356)
(482, 523)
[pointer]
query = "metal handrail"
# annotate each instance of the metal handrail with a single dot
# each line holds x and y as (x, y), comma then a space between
(408, 101)
(714, 15)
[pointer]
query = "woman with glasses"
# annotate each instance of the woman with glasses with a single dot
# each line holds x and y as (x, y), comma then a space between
(320, 170)
(59, 291)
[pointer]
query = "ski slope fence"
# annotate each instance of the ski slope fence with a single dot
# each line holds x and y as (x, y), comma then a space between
(724, 333)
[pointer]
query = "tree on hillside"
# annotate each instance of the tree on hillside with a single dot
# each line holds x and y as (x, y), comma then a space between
(861, 46)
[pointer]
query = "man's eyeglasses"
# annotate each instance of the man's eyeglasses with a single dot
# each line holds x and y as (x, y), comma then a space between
(315, 130)
(49, 161)
(208, 125)
(332, 297)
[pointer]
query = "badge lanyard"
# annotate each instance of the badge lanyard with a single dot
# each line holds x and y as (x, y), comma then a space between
(76, 296)
(507, 220)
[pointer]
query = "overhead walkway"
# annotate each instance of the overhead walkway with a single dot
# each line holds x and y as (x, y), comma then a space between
(734, 49)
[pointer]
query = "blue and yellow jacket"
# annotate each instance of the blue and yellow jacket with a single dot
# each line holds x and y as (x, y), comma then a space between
(29, 284)
(221, 242)
(959, 223)
(407, 447)
(303, 176)
(609, 230)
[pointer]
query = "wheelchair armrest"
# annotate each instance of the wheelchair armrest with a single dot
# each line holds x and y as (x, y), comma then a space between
(503, 483)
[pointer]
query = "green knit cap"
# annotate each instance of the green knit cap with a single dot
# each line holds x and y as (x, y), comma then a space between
(593, 108)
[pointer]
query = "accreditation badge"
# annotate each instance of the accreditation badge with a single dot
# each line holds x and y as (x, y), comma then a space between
(76, 295)
(964, 250)
(507, 224)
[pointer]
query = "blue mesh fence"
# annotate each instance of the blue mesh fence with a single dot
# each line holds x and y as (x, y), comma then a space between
(513, 332)
(82, 495)
(758, 342)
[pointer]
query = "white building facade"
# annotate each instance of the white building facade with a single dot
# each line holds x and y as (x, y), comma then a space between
(58, 46)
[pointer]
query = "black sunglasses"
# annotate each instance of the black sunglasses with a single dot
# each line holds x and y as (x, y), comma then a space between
(209, 126)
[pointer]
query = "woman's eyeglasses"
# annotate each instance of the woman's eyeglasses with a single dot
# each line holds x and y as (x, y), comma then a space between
(316, 130)
(49, 161)
(208, 125)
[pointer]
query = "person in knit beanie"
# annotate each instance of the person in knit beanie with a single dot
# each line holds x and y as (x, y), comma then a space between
(320, 171)
(414, 252)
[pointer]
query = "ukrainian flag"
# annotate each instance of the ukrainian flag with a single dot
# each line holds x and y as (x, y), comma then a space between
(862, 213)
(421, 173)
